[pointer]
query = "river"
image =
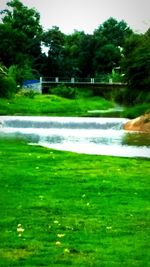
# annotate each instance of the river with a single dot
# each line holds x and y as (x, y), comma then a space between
(99, 136)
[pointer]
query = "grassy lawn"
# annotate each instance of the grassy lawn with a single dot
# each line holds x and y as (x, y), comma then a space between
(76, 210)
(51, 105)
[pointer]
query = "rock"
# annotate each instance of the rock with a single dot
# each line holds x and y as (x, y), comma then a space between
(141, 123)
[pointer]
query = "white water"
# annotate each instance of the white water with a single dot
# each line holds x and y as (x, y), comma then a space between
(100, 136)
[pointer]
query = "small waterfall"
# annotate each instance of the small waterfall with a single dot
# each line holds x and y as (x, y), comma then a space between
(63, 122)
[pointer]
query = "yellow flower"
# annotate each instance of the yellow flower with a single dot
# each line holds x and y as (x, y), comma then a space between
(20, 229)
(66, 250)
(109, 227)
(60, 235)
(58, 243)
(56, 222)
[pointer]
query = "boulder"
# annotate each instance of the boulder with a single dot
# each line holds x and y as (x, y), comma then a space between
(141, 123)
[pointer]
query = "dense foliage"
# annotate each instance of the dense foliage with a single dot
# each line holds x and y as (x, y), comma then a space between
(7, 83)
(111, 51)
(136, 64)
(77, 54)
(21, 34)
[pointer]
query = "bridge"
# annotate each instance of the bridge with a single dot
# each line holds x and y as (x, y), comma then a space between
(99, 88)
(93, 83)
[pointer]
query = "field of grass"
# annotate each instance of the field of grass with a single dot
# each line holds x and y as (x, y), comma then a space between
(51, 105)
(73, 209)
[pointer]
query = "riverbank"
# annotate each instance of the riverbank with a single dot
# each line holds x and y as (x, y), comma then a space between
(140, 124)
(82, 106)
(74, 210)
(52, 105)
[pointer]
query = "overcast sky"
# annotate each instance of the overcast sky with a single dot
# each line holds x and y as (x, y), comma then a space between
(87, 15)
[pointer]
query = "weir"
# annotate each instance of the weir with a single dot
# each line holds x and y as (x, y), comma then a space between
(100, 136)
(62, 122)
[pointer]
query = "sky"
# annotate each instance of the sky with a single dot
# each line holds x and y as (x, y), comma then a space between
(87, 15)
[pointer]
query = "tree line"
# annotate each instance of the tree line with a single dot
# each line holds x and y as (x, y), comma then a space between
(113, 50)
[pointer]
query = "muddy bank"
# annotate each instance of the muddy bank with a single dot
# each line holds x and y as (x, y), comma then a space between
(141, 124)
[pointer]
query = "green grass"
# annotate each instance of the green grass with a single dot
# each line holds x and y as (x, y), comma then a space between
(52, 105)
(137, 110)
(99, 204)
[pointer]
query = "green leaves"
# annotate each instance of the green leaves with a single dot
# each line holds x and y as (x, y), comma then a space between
(20, 33)
(7, 86)
(136, 64)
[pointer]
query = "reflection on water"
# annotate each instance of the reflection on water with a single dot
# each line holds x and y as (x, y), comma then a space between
(136, 139)
(101, 136)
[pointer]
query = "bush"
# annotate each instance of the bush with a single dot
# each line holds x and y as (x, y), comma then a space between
(136, 111)
(118, 95)
(115, 77)
(136, 62)
(11, 79)
(28, 93)
(64, 91)
(84, 92)
(21, 73)
(130, 98)
(7, 86)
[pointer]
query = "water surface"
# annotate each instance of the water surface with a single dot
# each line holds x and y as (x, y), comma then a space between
(100, 136)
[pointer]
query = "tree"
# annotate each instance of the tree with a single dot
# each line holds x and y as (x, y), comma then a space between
(136, 64)
(114, 32)
(78, 54)
(12, 46)
(54, 39)
(72, 53)
(21, 33)
(86, 54)
(109, 40)
(106, 58)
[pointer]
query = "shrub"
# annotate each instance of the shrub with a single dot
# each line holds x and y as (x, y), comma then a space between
(136, 65)
(21, 73)
(115, 77)
(28, 93)
(7, 86)
(136, 110)
(130, 98)
(64, 91)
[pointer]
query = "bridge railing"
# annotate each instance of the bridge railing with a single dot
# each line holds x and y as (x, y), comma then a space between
(72, 80)
(45, 82)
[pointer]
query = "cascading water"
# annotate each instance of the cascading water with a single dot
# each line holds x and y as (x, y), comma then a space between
(102, 136)
(61, 122)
